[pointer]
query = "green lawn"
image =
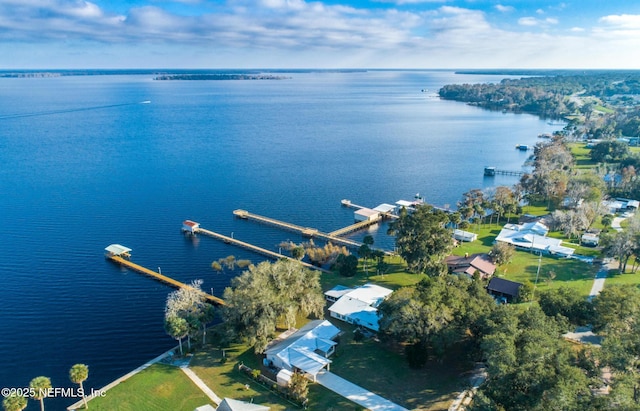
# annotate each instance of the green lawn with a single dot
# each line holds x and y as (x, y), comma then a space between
(227, 381)
(159, 387)
(582, 155)
(395, 277)
(524, 265)
(383, 369)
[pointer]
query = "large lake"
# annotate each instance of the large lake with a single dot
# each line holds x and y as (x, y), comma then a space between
(84, 164)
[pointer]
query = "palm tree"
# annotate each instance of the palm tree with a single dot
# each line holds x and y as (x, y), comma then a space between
(14, 402)
(78, 374)
(176, 327)
(40, 386)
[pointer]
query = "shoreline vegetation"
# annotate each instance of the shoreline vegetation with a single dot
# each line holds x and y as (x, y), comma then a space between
(221, 77)
(53, 73)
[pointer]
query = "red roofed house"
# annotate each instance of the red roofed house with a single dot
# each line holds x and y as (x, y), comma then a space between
(469, 264)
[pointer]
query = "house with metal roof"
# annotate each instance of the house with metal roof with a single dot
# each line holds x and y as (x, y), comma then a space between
(306, 350)
(500, 287)
(359, 306)
(532, 236)
(466, 236)
(229, 404)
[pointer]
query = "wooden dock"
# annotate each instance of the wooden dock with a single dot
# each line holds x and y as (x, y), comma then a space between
(492, 171)
(305, 231)
(254, 248)
(353, 227)
(168, 280)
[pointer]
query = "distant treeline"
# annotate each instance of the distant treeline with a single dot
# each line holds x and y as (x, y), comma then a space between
(546, 95)
(220, 77)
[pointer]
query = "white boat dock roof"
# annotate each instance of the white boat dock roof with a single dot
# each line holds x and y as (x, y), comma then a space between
(405, 203)
(117, 249)
(385, 208)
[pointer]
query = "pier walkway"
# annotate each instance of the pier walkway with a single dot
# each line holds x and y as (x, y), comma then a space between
(168, 280)
(492, 171)
(254, 248)
(306, 231)
(353, 227)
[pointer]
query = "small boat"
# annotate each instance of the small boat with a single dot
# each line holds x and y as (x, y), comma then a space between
(522, 147)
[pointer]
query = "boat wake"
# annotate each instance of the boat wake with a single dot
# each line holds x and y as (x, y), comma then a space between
(69, 110)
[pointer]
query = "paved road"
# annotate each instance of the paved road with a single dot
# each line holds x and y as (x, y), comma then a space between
(355, 393)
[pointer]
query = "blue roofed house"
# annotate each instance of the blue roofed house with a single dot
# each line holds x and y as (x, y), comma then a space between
(359, 305)
(307, 350)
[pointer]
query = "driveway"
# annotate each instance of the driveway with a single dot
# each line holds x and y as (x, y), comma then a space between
(355, 393)
(615, 224)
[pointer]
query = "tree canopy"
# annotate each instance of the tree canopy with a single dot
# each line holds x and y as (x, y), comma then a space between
(422, 239)
(436, 313)
(529, 366)
(270, 294)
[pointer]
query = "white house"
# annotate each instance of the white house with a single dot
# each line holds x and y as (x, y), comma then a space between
(532, 236)
(336, 292)
(306, 350)
(359, 306)
(590, 239)
(229, 404)
(462, 235)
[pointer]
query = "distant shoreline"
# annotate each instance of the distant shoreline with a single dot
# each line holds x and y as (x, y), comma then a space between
(259, 74)
(214, 77)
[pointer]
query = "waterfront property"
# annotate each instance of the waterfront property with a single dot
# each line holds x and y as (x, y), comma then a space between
(359, 305)
(306, 350)
(533, 236)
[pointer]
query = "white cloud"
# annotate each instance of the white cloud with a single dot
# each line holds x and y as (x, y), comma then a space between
(532, 21)
(622, 21)
(299, 33)
(504, 9)
(528, 21)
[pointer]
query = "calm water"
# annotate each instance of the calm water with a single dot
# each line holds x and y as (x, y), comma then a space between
(83, 165)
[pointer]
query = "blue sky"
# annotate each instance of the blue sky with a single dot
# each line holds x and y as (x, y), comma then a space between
(320, 34)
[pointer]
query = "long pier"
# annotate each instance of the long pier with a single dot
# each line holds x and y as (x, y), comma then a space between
(168, 280)
(306, 231)
(254, 248)
(492, 171)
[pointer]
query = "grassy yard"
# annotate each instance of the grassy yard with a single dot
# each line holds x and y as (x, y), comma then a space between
(159, 387)
(382, 369)
(226, 380)
(524, 265)
(582, 155)
(395, 276)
